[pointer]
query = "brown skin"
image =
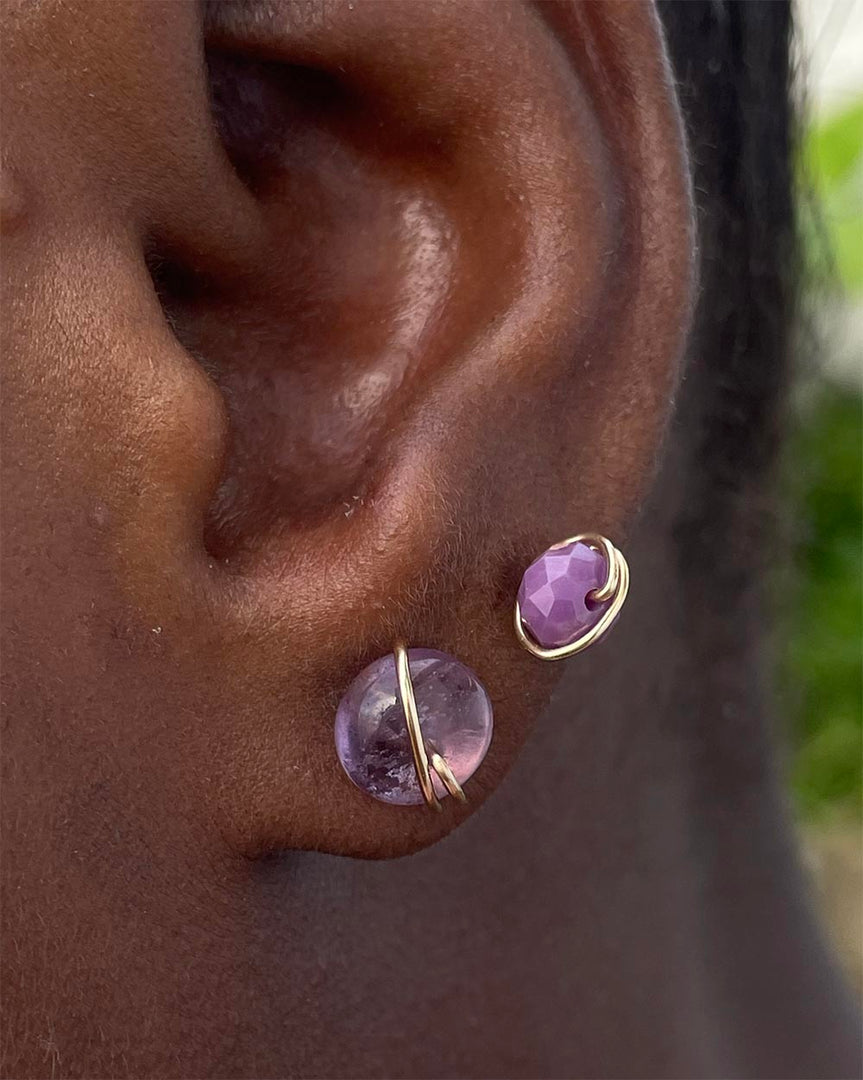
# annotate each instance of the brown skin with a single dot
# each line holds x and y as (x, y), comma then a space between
(424, 290)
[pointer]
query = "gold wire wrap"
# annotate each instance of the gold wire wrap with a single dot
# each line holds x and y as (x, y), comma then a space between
(412, 720)
(441, 767)
(614, 588)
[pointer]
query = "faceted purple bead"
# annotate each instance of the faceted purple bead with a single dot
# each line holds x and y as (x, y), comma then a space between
(553, 597)
(372, 738)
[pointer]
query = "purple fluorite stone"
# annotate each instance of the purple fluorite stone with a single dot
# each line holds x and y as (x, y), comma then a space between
(371, 734)
(554, 594)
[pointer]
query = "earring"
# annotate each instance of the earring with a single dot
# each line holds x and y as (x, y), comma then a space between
(570, 596)
(413, 727)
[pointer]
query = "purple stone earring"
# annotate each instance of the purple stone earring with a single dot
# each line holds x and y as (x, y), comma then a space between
(570, 596)
(413, 727)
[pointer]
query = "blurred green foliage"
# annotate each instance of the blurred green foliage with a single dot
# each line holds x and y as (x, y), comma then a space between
(823, 658)
(823, 664)
(833, 165)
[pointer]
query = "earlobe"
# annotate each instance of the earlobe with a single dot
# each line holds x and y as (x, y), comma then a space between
(456, 342)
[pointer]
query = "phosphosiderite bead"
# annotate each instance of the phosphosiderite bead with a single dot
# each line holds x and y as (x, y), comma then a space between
(554, 597)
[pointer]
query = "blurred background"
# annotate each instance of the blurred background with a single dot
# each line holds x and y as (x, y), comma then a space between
(820, 663)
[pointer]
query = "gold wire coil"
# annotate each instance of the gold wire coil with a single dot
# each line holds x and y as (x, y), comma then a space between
(614, 588)
(441, 767)
(423, 762)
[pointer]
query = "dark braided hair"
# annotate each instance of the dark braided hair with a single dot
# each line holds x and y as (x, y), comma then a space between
(733, 69)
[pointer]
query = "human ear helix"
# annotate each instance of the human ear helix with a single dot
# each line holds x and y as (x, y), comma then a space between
(415, 725)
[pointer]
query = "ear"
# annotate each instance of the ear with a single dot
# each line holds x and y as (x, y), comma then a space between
(442, 298)
(455, 342)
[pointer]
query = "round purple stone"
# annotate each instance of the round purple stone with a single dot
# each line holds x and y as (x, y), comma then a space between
(371, 733)
(554, 594)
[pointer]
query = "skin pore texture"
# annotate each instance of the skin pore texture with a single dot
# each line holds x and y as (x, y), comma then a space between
(320, 321)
